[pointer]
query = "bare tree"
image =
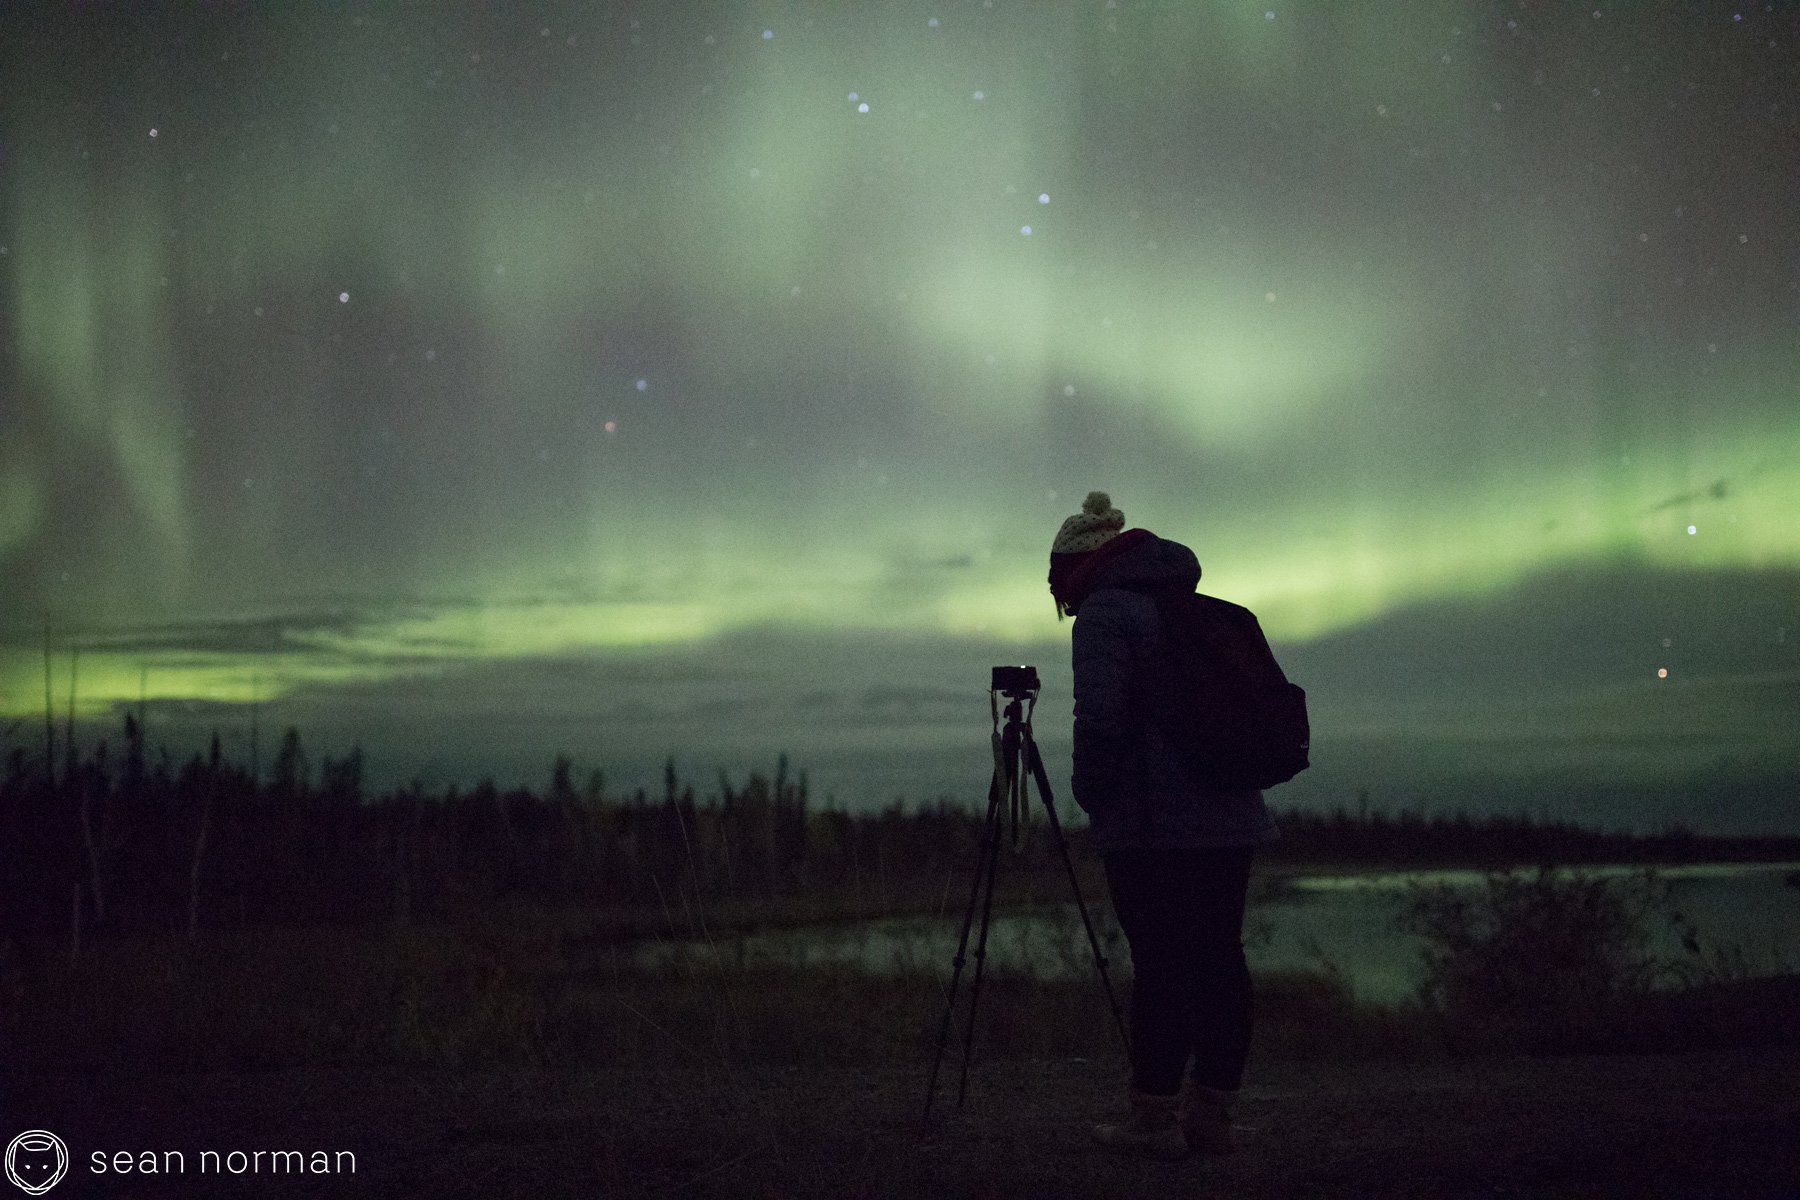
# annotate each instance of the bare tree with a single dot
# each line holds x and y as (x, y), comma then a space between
(84, 796)
(200, 835)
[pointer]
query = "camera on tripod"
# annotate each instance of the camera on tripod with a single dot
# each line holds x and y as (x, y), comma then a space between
(1017, 683)
(1016, 759)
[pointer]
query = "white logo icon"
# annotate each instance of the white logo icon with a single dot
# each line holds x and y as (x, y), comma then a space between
(36, 1160)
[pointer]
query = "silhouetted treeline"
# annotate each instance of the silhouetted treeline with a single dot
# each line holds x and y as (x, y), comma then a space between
(1410, 838)
(127, 842)
(123, 841)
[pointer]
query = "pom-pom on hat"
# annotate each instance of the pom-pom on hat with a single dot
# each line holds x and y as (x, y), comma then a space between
(1097, 523)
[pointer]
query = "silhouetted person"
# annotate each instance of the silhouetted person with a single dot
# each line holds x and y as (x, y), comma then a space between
(1177, 853)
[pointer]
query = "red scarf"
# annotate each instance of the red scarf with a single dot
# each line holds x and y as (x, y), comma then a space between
(1081, 579)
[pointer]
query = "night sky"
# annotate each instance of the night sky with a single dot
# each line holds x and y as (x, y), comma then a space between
(478, 382)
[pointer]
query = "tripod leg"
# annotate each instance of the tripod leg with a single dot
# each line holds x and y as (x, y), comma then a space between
(987, 910)
(990, 836)
(1062, 848)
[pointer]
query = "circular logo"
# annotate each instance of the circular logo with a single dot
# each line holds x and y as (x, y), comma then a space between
(36, 1160)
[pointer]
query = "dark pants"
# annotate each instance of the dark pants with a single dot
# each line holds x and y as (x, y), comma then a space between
(1183, 914)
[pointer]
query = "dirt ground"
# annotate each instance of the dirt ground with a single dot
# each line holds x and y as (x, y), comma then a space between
(1697, 1125)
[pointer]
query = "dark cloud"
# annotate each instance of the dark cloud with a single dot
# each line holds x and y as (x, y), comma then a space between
(1545, 698)
(1574, 630)
(1480, 705)
(921, 703)
(185, 711)
(288, 634)
(1718, 491)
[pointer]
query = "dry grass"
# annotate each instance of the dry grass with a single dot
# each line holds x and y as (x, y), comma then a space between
(1534, 963)
(525, 994)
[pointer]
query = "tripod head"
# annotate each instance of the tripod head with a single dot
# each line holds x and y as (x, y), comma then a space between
(1020, 686)
(1016, 683)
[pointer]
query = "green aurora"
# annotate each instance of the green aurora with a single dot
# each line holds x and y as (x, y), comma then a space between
(355, 346)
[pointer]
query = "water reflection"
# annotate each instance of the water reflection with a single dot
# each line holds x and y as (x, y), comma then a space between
(1344, 922)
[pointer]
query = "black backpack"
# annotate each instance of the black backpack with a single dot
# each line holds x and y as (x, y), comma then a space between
(1240, 720)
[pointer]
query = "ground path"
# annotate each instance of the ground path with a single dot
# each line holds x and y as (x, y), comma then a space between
(1724, 1124)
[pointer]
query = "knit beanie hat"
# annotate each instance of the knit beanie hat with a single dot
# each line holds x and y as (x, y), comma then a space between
(1097, 523)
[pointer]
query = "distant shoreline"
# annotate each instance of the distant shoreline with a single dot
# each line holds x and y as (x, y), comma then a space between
(1364, 874)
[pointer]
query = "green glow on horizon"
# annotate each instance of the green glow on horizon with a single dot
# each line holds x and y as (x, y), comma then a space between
(1305, 575)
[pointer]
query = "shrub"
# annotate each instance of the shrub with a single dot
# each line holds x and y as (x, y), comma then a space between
(1535, 961)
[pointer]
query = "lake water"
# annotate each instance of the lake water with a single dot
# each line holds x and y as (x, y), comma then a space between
(1304, 923)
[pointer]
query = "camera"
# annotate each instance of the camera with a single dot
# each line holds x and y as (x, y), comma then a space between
(1016, 682)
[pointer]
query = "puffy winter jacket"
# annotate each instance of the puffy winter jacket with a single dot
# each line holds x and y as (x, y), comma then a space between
(1135, 786)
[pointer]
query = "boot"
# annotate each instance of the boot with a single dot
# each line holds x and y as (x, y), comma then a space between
(1152, 1131)
(1206, 1119)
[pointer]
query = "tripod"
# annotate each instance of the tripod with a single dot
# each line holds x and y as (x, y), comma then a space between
(1015, 757)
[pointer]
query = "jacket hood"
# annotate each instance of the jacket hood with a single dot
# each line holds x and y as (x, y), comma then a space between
(1154, 564)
